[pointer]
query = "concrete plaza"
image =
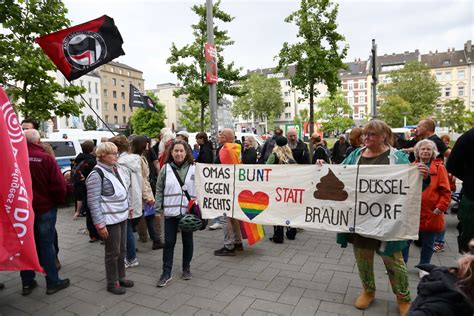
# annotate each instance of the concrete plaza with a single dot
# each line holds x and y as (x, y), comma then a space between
(311, 275)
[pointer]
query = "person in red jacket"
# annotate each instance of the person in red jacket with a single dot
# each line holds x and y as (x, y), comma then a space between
(49, 190)
(435, 200)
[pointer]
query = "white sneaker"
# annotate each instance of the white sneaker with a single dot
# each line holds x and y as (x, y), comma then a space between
(131, 264)
(422, 273)
(215, 226)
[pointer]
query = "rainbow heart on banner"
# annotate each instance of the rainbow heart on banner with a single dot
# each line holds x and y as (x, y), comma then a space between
(253, 204)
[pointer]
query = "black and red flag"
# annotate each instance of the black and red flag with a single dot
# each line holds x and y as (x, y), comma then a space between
(79, 49)
(137, 99)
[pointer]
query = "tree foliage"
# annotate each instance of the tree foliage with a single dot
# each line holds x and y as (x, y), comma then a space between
(261, 97)
(394, 109)
(24, 67)
(454, 116)
(147, 122)
(189, 65)
(190, 120)
(317, 56)
(89, 123)
(417, 86)
(302, 116)
(334, 113)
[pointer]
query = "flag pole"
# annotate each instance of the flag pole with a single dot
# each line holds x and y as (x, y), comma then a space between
(212, 86)
(90, 106)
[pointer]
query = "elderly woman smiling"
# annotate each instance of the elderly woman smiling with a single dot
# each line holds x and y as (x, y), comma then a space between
(435, 199)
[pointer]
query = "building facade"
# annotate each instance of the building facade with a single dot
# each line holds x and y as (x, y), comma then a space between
(172, 104)
(115, 84)
(355, 86)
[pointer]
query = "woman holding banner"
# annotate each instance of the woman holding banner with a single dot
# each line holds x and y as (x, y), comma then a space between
(378, 151)
(435, 200)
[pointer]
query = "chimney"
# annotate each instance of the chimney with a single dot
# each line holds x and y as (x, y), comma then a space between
(468, 46)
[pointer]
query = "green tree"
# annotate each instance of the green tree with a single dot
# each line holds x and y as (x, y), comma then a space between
(318, 56)
(454, 116)
(25, 67)
(334, 113)
(302, 116)
(189, 65)
(416, 85)
(190, 120)
(89, 123)
(147, 122)
(261, 97)
(394, 109)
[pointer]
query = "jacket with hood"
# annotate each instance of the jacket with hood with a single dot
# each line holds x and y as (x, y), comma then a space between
(130, 170)
(147, 193)
(437, 194)
(438, 295)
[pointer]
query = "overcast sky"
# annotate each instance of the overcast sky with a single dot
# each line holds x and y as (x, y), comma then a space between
(148, 28)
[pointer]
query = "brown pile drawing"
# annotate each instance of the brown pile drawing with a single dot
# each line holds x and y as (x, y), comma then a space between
(330, 188)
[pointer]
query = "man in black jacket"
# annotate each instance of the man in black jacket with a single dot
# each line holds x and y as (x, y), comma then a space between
(206, 154)
(298, 147)
(268, 146)
(461, 165)
(339, 150)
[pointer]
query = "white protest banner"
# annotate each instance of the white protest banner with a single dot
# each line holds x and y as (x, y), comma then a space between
(376, 201)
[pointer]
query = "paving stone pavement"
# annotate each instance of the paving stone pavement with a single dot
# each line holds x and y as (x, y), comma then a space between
(311, 275)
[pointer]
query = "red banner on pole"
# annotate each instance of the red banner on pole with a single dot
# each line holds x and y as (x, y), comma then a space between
(17, 238)
(210, 53)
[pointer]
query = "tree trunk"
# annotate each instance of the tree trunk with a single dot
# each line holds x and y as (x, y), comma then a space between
(311, 120)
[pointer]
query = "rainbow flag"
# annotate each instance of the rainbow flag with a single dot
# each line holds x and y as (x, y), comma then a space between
(251, 232)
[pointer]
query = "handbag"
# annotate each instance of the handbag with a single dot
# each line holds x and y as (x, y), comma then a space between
(193, 208)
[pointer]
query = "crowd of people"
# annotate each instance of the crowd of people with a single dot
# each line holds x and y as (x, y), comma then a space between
(128, 185)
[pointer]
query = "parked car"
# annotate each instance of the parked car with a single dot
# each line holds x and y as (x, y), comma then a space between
(65, 150)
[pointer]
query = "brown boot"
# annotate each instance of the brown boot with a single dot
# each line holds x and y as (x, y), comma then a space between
(364, 300)
(403, 307)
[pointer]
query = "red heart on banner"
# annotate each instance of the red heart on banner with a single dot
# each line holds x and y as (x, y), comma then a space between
(252, 204)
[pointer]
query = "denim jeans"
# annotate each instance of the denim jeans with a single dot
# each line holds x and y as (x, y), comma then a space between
(440, 237)
(171, 232)
(427, 242)
(131, 248)
(44, 228)
(150, 224)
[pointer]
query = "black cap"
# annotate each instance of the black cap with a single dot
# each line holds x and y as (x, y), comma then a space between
(281, 141)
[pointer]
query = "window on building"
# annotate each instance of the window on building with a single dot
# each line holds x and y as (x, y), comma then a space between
(96, 104)
(287, 115)
(105, 92)
(447, 75)
(106, 118)
(361, 99)
(361, 84)
(122, 83)
(120, 71)
(81, 83)
(106, 106)
(123, 107)
(447, 91)
(122, 94)
(112, 69)
(96, 87)
(446, 62)
(439, 76)
(461, 91)
(115, 119)
(114, 94)
(288, 83)
(89, 84)
(287, 93)
(90, 101)
(461, 75)
(115, 106)
(124, 119)
(139, 85)
(350, 100)
(350, 86)
(82, 118)
(114, 82)
(128, 73)
(287, 104)
(104, 80)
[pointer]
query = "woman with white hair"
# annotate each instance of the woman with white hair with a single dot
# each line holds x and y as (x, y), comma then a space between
(435, 200)
(249, 153)
(166, 141)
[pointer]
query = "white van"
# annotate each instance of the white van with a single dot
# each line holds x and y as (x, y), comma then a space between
(65, 150)
(81, 136)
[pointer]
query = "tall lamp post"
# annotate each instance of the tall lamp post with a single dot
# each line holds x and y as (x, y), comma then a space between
(374, 79)
(211, 70)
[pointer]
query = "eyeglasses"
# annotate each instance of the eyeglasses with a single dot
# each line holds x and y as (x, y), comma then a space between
(370, 135)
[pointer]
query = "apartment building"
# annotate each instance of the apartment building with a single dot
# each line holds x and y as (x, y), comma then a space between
(115, 84)
(172, 104)
(356, 88)
(453, 72)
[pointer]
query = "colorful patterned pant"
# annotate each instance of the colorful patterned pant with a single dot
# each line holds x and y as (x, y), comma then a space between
(396, 269)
